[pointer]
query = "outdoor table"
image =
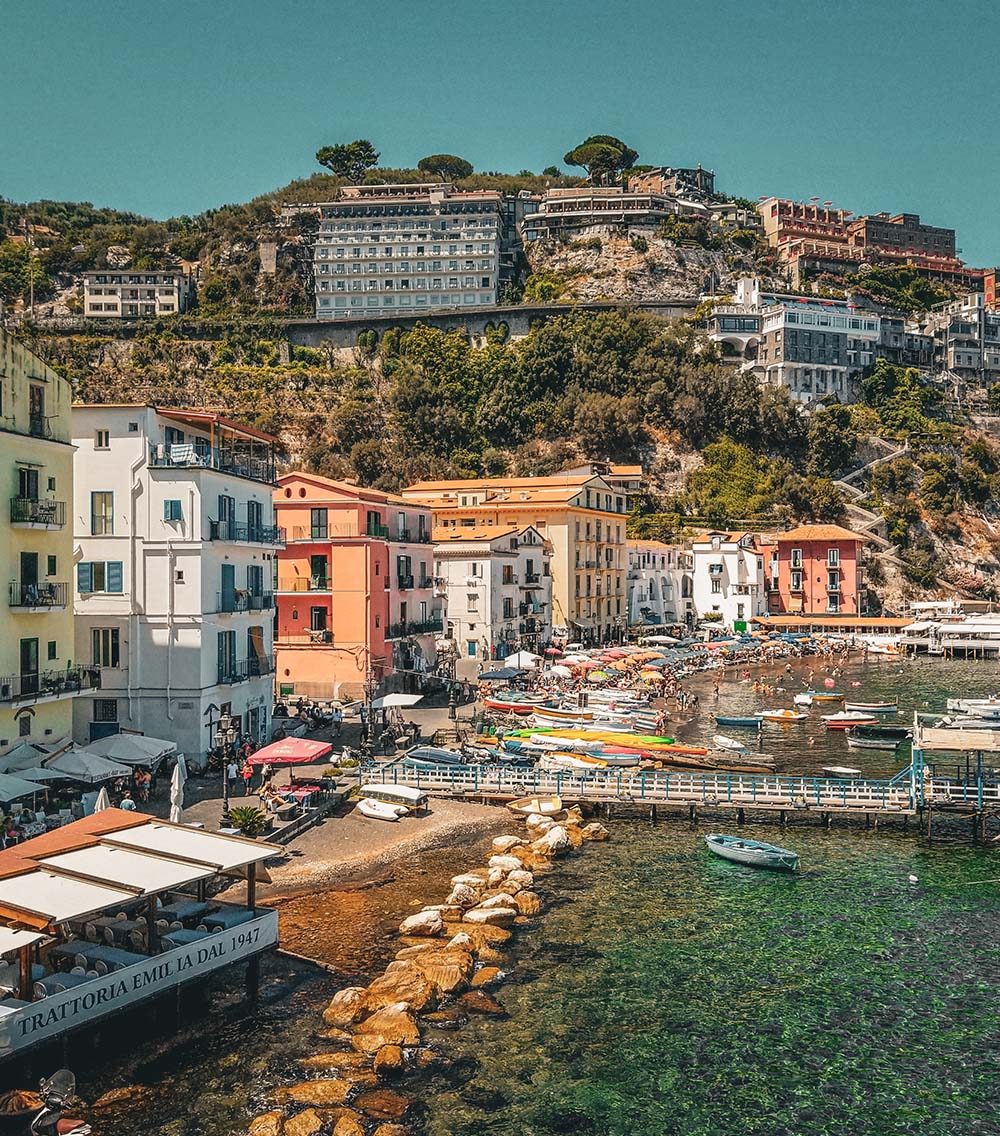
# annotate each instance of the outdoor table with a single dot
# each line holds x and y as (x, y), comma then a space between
(227, 918)
(182, 912)
(182, 938)
(57, 983)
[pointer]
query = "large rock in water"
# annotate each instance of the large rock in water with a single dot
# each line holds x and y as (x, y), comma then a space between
(528, 903)
(388, 1060)
(307, 1123)
(267, 1124)
(522, 877)
(501, 899)
(391, 1130)
(447, 969)
(383, 1104)
(392, 1025)
(463, 896)
(470, 879)
(494, 916)
(502, 844)
(423, 923)
(554, 843)
(349, 1059)
(348, 1126)
(482, 934)
(345, 1006)
(332, 1090)
(595, 831)
(506, 863)
(402, 982)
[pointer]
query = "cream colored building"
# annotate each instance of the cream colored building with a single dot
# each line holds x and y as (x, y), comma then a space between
(582, 516)
(39, 675)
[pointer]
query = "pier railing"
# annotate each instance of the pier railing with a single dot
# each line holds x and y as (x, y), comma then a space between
(736, 789)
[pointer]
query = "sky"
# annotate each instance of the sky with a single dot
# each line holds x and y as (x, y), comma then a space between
(172, 108)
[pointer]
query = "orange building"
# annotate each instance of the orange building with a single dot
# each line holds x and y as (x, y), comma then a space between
(355, 595)
(816, 570)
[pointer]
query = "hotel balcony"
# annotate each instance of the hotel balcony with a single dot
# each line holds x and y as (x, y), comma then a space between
(240, 533)
(312, 534)
(531, 580)
(228, 602)
(404, 583)
(240, 670)
(43, 686)
(305, 584)
(426, 627)
(32, 513)
(39, 597)
(256, 464)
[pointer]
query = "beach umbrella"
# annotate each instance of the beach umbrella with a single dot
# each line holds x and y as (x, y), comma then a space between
(552, 651)
(103, 800)
(598, 676)
(588, 664)
(177, 790)
(561, 671)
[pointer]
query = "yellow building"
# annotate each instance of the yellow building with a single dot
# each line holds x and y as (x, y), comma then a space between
(581, 515)
(38, 678)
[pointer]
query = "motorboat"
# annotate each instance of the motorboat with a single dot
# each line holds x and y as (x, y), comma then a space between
(752, 720)
(857, 741)
(976, 707)
(841, 771)
(723, 742)
(873, 707)
(754, 853)
(380, 810)
(900, 733)
(782, 716)
(434, 755)
(848, 718)
(544, 806)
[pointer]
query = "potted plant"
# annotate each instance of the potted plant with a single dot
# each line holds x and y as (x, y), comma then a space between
(250, 820)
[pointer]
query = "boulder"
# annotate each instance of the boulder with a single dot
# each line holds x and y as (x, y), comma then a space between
(307, 1123)
(332, 1090)
(349, 1059)
(486, 976)
(392, 1025)
(502, 844)
(506, 863)
(528, 903)
(554, 843)
(446, 1019)
(388, 1060)
(479, 1002)
(423, 1058)
(427, 923)
(525, 879)
(469, 879)
(538, 824)
(391, 1130)
(494, 916)
(338, 1036)
(574, 815)
(345, 1007)
(595, 831)
(447, 969)
(462, 941)
(383, 1104)
(348, 1126)
(487, 953)
(463, 896)
(267, 1124)
(575, 834)
(496, 877)
(510, 887)
(482, 934)
(403, 981)
(501, 899)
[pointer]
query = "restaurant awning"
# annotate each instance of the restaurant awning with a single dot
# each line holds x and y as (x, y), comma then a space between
(13, 940)
(150, 874)
(292, 751)
(79, 765)
(389, 700)
(12, 788)
(223, 853)
(132, 749)
(42, 898)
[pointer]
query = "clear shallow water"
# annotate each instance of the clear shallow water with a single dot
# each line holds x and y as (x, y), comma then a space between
(676, 993)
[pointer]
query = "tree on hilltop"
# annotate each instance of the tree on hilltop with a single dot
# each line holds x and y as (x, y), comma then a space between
(448, 167)
(604, 157)
(349, 160)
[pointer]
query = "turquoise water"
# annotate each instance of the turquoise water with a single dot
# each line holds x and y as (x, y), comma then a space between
(677, 993)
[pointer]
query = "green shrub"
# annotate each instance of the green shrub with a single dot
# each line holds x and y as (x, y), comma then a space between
(250, 820)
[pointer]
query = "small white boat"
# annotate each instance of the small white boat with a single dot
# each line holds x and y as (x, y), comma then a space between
(380, 810)
(873, 707)
(848, 718)
(728, 743)
(545, 806)
(578, 761)
(841, 771)
(782, 716)
(803, 699)
(755, 853)
(856, 741)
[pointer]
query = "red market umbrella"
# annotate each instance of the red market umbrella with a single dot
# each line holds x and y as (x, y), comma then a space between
(552, 651)
(292, 751)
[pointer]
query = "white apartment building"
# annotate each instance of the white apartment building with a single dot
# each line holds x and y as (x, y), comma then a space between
(123, 294)
(660, 584)
(728, 578)
(174, 548)
(499, 592)
(386, 250)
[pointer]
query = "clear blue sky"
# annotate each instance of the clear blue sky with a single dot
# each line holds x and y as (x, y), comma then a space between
(172, 108)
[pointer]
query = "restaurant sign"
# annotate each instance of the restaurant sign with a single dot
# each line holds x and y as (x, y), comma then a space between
(49, 1017)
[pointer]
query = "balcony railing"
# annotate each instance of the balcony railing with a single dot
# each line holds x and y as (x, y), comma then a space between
(32, 511)
(401, 535)
(305, 584)
(241, 533)
(404, 582)
(42, 595)
(307, 638)
(253, 465)
(426, 627)
(333, 531)
(49, 684)
(531, 580)
(38, 426)
(240, 670)
(227, 602)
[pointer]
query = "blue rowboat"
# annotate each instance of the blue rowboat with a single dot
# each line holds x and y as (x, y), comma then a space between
(752, 852)
(750, 720)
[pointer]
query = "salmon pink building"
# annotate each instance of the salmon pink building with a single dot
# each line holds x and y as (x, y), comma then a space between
(355, 595)
(815, 570)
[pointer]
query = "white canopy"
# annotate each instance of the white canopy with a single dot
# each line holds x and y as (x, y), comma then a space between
(11, 940)
(523, 659)
(58, 898)
(132, 749)
(219, 852)
(27, 755)
(150, 874)
(11, 787)
(389, 700)
(79, 765)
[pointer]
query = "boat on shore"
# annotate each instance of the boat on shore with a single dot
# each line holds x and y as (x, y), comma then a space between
(544, 806)
(754, 853)
(380, 810)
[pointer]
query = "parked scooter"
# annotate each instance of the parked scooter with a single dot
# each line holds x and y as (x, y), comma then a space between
(41, 1114)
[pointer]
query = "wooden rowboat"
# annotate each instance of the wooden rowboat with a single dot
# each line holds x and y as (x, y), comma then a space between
(545, 806)
(873, 707)
(755, 853)
(747, 720)
(856, 741)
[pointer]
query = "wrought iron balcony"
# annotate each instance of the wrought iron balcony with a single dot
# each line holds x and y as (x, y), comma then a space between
(36, 513)
(255, 464)
(240, 670)
(49, 684)
(531, 580)
(241, 533)
(404, 582)
(38, 426)
(38, 597)
(411, 627)
(243, 601)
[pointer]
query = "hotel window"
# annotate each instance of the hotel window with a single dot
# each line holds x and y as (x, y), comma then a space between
(318, 524)
(102, 505)
(99, 576)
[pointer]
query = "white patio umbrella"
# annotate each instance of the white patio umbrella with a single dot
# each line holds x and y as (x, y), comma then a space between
(400, 700)
(525, 659)
(177, 790)
(103, 800)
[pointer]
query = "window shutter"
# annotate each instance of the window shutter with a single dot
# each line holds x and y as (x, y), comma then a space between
(114, 572)
(228, 587)
(84, 576)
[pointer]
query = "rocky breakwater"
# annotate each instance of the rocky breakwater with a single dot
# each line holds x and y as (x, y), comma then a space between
(376, 1038)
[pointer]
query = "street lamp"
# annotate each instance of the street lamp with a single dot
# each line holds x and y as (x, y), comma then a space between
(225, 736)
